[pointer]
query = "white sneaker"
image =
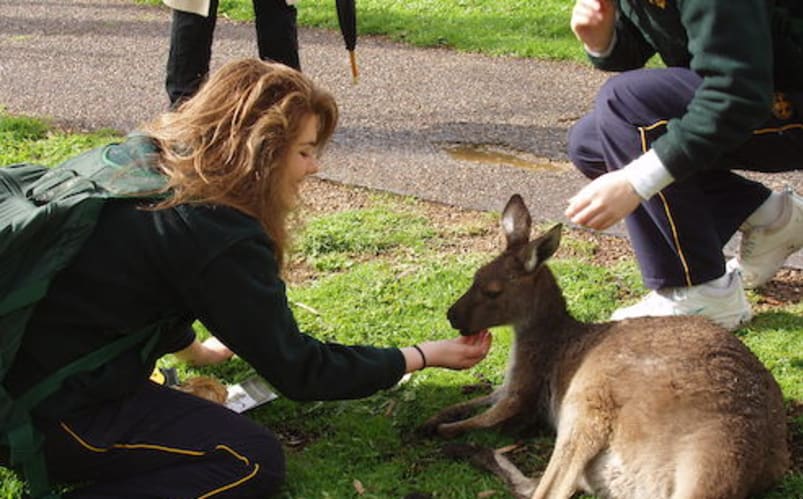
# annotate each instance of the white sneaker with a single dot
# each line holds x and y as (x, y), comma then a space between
(727, 307)
(763, 250)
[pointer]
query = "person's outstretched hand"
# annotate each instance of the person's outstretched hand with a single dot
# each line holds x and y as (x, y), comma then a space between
(603, 202)
(210, 352)
(593, 23)
(460, 352)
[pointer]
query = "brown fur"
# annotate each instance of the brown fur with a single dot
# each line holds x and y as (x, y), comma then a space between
(652, 407)
(205, 387)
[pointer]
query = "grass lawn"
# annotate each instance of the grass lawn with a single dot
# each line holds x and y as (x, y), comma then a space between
(385, 274)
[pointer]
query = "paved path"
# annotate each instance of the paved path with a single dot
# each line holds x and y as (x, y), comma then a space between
(100, 63)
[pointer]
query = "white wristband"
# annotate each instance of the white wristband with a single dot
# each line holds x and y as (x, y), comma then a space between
(604, 53)
(647, 174)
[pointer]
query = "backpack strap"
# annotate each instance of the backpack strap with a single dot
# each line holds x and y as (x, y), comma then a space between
(119, 170)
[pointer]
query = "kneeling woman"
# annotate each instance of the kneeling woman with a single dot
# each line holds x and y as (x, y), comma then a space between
(234, 157)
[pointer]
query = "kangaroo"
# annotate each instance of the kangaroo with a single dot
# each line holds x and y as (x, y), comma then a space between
(652, 407)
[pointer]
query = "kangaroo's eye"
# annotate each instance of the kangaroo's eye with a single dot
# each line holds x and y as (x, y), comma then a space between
(493, 289)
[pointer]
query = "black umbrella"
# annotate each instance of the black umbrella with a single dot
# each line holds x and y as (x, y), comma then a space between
(347, 17)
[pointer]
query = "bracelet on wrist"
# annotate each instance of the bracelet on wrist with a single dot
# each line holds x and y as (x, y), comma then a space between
(423, 357)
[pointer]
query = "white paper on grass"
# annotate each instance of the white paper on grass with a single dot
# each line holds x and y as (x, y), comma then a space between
(249, 393)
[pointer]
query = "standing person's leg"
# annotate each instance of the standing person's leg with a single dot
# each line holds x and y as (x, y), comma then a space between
(191, 38)
(160, 442)
(277, 32)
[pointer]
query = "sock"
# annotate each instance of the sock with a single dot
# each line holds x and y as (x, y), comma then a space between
(767, 213)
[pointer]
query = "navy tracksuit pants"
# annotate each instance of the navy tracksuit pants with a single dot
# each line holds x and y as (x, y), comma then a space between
(191, 38)
(166, 444)
(678, 235)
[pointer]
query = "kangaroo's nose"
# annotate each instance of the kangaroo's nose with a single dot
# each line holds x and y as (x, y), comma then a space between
(451, 314)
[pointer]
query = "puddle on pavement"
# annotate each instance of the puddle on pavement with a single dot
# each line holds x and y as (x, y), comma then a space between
(490, 154)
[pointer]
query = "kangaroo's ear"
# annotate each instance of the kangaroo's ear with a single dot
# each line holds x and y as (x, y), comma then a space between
(516, 221)
(541, 249)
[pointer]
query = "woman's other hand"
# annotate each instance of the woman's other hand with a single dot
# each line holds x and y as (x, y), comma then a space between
(210, 352)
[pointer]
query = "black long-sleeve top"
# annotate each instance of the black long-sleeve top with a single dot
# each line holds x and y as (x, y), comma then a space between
(213, 264)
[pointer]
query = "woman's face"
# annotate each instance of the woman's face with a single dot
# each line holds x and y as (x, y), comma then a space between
(302, 157)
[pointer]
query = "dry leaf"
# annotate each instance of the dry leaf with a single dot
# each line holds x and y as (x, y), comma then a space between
(306, 307)
(359, 487)
(205, 387)
(390, 407)
(485, 493)
(507, 448)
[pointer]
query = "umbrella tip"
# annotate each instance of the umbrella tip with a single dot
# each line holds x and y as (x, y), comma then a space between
(355, 74)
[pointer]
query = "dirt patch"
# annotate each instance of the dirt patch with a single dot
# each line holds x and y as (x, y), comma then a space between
(322, 196)
(785, 288)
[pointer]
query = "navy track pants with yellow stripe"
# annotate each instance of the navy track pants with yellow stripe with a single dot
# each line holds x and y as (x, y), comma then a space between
(679, 234)
(162, 443)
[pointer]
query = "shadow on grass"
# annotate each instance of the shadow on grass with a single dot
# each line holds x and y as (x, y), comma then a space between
(777, 320)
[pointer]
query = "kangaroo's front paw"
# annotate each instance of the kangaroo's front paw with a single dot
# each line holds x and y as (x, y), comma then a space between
(431, 427)
(436, 427)
(450, 430)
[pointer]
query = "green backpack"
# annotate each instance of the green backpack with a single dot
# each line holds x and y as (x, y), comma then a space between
(45, 217)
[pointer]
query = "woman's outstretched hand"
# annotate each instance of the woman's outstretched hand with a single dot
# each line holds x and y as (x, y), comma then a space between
(460, 352)
(210, 352)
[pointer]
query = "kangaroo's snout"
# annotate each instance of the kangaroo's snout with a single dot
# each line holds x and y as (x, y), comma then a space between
(451, 315)
(455, 320)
